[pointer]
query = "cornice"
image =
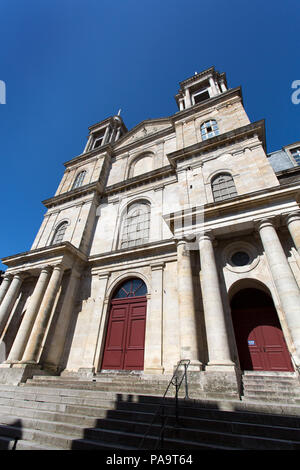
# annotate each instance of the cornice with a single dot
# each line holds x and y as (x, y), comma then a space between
(73, 194)
(140, 180)
(209, 103)
(238, 204)
(220, 140)
(44, 253)
(145, 139)
(204, 73)
(148, 250)
(104, 151)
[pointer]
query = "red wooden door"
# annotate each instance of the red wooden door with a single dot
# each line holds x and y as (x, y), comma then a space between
(259, 337)
(125, 338)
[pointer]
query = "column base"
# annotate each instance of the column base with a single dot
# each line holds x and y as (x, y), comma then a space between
(225, 366)
(154, 370)
(221, 380)
(16, 373)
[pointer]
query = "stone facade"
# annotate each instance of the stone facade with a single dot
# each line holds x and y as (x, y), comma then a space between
(169, 202)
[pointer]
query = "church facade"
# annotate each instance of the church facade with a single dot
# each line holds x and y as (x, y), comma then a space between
(177, 239)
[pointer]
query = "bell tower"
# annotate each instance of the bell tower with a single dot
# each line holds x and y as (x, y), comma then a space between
(200, 87)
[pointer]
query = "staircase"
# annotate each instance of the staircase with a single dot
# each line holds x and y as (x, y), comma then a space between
(67, 413)
(276, 387)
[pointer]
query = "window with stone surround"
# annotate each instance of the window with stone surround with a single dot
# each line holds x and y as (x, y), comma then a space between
(59, 233)
(295, 152)
(223, 187)
(79, 180)
(209, 129)
(136, 225)
(98, 140)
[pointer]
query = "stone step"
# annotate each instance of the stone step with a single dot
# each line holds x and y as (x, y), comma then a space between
(235, 423)
(141, 403)
(60, 397)
(70, 418)
(95, 438)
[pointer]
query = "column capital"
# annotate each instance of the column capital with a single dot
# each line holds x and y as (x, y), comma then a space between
(156, 266)
(7, 276)
(181, 240)
(271, 221)
(59, 267)
(291, 217)
(46, 268)
(104, 275)
(19, 275)
(207, 235)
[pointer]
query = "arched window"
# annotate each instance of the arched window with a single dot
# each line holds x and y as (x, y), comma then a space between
(223, 187)
(79, 179)
(136, 225)
(59, 233)
(133, 287)
(142, 164)
(209, 129)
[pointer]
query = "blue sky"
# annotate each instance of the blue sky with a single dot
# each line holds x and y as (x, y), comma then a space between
(68, 64)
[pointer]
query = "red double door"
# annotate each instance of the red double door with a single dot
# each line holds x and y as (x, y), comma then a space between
(125, 338)
(259, 337)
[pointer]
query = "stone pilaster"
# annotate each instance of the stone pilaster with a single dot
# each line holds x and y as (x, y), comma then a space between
(153, 362)
(96, 328)
(285, 282)
(54, 356)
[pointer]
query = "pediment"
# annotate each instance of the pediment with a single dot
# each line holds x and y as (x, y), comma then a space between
(142, 130)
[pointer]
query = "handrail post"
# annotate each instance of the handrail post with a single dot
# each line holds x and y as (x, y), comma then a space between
(164, 418)
(176, 400)
(186, 381)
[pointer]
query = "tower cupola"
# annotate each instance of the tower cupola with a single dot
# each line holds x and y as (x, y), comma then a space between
(200, 87)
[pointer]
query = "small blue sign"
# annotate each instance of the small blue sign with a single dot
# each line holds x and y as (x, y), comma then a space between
(251, 343)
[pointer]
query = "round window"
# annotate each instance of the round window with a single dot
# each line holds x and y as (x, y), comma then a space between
(240, 258)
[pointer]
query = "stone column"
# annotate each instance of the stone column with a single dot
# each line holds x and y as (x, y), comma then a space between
(217, 338)
(33, 348)
(213, 86)
(187, 313)
(153, 362)
(285, 282)
(9, 300)
(5, 285)
(293, 224)
(29, 317)
(187, 98)
(61, 329)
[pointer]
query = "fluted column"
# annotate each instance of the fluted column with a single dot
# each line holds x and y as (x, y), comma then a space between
(61, 329)
(293, 224)
(9, 300)
(285, 282)
(186, 304)
(33, 348)
(153, 361)
(30, 315)
(217, 338)
(5, 285)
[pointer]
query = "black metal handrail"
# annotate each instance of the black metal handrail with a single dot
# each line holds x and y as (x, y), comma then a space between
(161, 408)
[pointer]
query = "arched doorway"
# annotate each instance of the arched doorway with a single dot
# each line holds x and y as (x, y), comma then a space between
(259, 337)
(125, 337)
